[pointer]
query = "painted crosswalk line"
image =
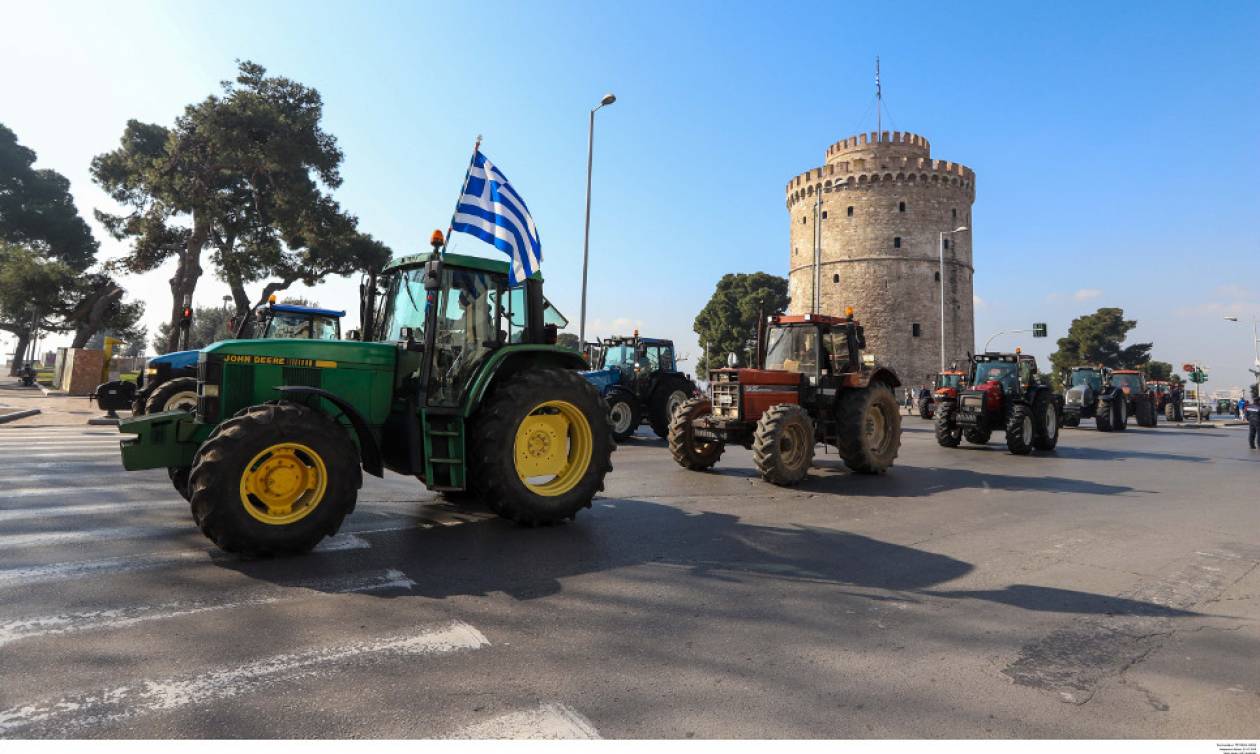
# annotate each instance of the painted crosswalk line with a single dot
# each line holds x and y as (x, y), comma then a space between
(79, 712)
(30, 627)
(548, 721)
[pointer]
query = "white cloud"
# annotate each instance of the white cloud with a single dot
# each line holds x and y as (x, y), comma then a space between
(1085, 294)
(978, 302)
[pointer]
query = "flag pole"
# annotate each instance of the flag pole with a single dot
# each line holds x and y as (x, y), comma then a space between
(467, 175)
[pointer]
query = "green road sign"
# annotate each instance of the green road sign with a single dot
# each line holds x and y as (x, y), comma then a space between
(1039, 329)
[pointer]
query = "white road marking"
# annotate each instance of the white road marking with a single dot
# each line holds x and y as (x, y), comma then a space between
(78, 712)
(51, 538)
(24, 492)
(549, 721)
(56, 511)
(343, 542)
(75, 454)
(124, 617)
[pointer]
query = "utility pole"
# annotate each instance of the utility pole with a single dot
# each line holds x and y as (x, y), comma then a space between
(813, 308)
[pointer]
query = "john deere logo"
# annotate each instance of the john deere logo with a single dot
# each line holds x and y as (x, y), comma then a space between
(279, 361)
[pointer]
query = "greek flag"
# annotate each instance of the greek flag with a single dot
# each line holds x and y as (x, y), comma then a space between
(490, 209)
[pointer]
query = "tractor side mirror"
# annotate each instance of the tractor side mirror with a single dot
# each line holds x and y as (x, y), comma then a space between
(353, 335)
(433, 275)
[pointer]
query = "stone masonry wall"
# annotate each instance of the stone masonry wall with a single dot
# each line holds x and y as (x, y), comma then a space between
(875, 190)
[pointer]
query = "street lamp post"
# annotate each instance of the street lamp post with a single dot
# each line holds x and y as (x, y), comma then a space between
(1255, 342)
(940, 249)
(586, 241)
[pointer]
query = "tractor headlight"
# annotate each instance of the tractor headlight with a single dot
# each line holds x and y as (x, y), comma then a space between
(150, 371)
(209, 391)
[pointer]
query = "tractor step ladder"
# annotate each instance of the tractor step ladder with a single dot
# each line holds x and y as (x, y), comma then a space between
(444, 467)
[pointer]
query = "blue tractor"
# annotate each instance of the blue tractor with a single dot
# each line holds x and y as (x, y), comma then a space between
(639, 379)
(169, 382)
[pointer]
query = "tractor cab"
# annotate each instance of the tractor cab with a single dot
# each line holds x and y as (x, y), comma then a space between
(1088, 377)
(949, 382)
(275, 321)
(1130, 381)
(1012, 374)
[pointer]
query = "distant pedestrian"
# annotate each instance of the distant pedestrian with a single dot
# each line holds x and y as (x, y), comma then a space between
(1242, 406)
(1252, 412)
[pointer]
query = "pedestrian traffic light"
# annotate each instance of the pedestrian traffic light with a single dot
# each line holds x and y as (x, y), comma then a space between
(1039, 329)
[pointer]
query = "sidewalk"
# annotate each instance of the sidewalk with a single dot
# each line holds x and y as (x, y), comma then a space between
(55, 409)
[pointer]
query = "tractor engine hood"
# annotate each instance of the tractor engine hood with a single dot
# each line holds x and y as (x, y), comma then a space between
(768, 377)
(176, 359)
(302, 352)
(1078, 396)
(603, 379)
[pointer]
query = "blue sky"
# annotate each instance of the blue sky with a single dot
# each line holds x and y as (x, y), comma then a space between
(1115, 145)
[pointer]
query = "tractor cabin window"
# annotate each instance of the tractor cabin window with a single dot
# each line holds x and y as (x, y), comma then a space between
(793, 349)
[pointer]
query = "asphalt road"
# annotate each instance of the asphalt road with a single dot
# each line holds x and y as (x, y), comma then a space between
(1108, 590)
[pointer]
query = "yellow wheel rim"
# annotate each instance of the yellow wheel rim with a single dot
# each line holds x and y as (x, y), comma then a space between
(283, 483)
(553, 448)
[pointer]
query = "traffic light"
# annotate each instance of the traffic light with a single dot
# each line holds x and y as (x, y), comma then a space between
(1039, 329)
(1187, 368)
(185, 318)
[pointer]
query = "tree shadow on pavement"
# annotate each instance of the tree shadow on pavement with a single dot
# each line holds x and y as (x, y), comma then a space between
(1055, 600)
(925, 481)
(1107, 454)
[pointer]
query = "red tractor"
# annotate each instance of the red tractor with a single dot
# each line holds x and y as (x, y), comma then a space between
(812, 385)
(948, 383)
(1005, 394)
(1138, 397)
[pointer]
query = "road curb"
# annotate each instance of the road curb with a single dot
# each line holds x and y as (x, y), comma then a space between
(14, 416)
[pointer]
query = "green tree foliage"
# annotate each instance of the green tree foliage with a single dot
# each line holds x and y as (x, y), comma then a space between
(47, 253)
(1098, 338)
(728, 322)
(1159, 370)
(246, 174)
(209, 325)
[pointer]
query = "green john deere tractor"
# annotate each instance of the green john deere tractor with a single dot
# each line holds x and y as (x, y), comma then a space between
(462, 386)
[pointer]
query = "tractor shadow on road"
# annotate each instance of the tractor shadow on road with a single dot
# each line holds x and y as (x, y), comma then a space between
(1105, 454)
(699, 552)
(925, 481)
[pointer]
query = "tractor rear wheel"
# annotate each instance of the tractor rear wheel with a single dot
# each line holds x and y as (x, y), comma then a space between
(1145, 413)
(783, 444)
(274, 480)
(179, 479)
(1046, 422)
(541, 446)
(925, 408)
(623, 414)
(1104, 415)
(948, 431)
(1071, 418)
(1120, 419)
(179, 394)
(669, 395)
(869, 428)
(1170, 411)
(1020, 430)
(689, 451)
(977, 436)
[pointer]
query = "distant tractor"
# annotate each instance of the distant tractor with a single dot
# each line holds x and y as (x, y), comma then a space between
(812, 385)
(458, 381)
(1138, 398)
(1092, 395)
(639, 379)
(1161, 391)
(1004, 393)
(948, 383)
(169, 382)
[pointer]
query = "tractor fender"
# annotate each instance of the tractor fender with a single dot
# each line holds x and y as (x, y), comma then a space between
(616, 390)
(505, 362)
(882, 375)
(369, 451)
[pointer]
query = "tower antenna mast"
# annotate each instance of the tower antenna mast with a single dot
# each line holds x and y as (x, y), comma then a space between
(879, 102)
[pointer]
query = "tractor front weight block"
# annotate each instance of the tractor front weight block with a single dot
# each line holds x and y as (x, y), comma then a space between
(161, 441)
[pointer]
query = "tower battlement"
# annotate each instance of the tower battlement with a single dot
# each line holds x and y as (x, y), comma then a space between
(891, 143)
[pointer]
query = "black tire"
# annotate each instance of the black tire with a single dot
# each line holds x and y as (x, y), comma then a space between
(624, 415)
(978, 436)
(493, 450)
(137, 405)
(1071, 418)
(869, 428)
(178, 394)
(689, 452)
(668, 396)
(1104, 415)
(1020, 430)
(925, 408)
(948, 432)
(179, 479)
(257, 436)
(783, 444)
(1145, 413)
(1120, 415)
(1046, 422)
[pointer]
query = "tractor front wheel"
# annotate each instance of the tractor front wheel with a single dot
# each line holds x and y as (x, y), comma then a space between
(179, 479)
(1145, 413)
(179, 394)
(1020, 430)
(869, 428)
(1046, 428)
(274, 480)
(671, 394)
(623, 414)
(978, 435)
(783, 444)
(541, 446)
(689, 451)
(948, 431)
(1104, 416)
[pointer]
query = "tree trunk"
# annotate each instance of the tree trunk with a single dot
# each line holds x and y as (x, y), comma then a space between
(274, 286)
(89, 322)
(19, 353)
(184, 283)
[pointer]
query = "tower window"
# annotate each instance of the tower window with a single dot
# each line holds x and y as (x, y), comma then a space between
(955, 213)
(915, 330)
(901, 207)
(947, 243)
(937, 275)
(824, 214)
(835, 278)
(802, 219)
(896, 242)
(850, 212)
